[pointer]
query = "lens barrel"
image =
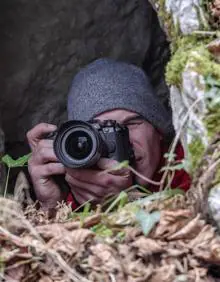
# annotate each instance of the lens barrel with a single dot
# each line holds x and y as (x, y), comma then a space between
(78, 144)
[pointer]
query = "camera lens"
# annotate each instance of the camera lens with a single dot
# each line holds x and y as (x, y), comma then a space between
(79, 145)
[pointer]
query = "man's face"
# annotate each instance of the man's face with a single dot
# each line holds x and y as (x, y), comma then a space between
(144, 137)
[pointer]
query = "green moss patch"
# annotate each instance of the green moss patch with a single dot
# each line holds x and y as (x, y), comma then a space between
(196, 150)
(193, 50)
(204, 63)
(181, 54)
(172, 30)
(212, 120)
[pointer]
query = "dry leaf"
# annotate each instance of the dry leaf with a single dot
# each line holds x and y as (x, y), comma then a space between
(171, 222)
(147, 246)
(190, 230)
(164, 274)
(22, 190)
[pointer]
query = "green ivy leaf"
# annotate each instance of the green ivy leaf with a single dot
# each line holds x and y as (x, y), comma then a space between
(6, 159)
(147, 220)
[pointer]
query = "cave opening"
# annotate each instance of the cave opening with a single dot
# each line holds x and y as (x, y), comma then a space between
(45, 43)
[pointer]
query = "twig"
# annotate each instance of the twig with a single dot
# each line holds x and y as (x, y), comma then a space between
(22, 220)
(170, 180)
(20, 263)
(117, 167)
(205, 33)
(176, 140)
(148, 180)
(6, 183)
(213, 166)
(82, 205)
(65, 267)
(13, 238)
(129, 189)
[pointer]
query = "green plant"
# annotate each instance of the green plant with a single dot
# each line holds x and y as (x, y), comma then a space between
(11, 163)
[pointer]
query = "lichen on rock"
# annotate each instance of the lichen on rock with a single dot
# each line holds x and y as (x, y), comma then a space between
(194, 64)
(193, 75)
(181, 51)
(199, 97)
(187, 13)
(181, 16)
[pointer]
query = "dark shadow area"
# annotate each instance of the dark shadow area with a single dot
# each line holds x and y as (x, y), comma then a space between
(44, 43)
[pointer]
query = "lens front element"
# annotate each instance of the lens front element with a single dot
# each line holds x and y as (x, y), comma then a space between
(79, 145)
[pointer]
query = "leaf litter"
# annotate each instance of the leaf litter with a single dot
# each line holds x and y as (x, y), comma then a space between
(157, 238)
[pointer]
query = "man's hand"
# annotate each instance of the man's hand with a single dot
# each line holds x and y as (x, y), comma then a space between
(95, 185)
(85, 184)
(43, 164)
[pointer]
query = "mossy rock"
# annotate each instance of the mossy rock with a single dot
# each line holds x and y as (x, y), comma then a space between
(192, 50)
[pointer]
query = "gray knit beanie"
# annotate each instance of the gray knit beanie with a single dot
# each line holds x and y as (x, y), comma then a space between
(106, 84)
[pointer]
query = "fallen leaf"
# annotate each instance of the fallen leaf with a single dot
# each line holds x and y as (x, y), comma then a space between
(147, 220)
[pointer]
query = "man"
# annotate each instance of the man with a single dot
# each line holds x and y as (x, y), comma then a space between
(106, 89)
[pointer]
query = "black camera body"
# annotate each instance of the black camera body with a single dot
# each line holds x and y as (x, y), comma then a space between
(79, 144)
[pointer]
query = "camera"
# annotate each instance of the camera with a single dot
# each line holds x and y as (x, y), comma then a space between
(80, 144)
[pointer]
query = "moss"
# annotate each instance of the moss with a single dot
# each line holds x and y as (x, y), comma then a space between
(172, 30)
(175, 68)
(191, 49)
(181, 54)
(181, 46)
(204, 63)
(196, 149)
(212, 120)
(185, 49)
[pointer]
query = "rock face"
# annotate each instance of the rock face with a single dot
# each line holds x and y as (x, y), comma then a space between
(193, 75)
(185, 13)
(44, 43)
